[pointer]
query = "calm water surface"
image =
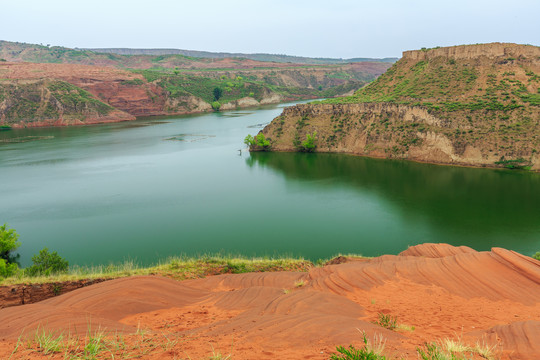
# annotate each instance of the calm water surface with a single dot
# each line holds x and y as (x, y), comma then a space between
(152, 188)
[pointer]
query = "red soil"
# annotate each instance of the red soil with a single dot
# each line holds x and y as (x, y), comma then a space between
(443, 291)
(107, 84)
(115, 86)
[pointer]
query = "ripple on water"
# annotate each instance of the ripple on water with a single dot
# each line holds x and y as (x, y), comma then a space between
(190, 137)
(24, 139)
(257, 126)
(145, 124)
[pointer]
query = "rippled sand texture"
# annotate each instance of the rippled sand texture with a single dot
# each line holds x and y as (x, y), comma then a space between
(443, 291)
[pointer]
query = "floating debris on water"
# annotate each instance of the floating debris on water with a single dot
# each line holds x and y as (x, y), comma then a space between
(137, 125)
(190, 137)
(236, 114)
(24, 139)
(258, 125)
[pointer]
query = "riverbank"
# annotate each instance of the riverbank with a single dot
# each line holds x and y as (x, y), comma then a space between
(472, 304)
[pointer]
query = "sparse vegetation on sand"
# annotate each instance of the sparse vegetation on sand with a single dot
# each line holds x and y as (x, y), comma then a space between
(49, 267)
(456, 349)
(180, 268)
(371, 350)
(387, 321)
(390, 322)
(445, 349)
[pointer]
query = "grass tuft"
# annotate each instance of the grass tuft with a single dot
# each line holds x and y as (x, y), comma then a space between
(387, 321)
(47, 342)
(367, 352)
(456, 349)
(179, 267)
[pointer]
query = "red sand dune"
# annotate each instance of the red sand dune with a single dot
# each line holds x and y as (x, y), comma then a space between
(443, 291)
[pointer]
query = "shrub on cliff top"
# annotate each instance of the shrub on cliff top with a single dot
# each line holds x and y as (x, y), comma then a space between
(537, 255)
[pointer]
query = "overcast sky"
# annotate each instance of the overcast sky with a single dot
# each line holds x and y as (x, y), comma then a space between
(332, 28)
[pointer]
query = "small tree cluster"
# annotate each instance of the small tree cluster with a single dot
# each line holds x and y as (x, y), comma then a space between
(310, 143)
(216, 105)
(45, 263)
(9, 242)
(259, 142)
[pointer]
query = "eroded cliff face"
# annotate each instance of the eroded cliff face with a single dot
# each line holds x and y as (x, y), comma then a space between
(385, 130)
(126, 94)
(493, 50)
(36, 103)
(476, 105)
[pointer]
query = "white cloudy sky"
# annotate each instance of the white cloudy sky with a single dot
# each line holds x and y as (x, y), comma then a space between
(332, 28)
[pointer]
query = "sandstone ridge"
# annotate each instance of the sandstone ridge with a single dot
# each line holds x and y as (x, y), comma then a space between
(492, 50)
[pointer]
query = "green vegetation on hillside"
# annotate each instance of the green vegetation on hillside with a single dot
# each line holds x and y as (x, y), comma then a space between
(440, 84)
(220, 55)
(234, 87)
(43, 99)
(45, 263)
(490, 103)
(203, 87)
(181, 77)
(15, 51)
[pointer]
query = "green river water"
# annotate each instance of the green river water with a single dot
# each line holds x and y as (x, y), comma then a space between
(152, 188)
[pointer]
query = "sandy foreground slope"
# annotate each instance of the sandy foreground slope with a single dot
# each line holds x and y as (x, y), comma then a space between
(443, 291)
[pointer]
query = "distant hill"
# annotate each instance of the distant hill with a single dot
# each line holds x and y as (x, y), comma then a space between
(155, 59)
(473, 105)
(258, 57)
(50, 86)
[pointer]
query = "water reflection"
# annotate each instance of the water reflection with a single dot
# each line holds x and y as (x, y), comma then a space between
(484, 206)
